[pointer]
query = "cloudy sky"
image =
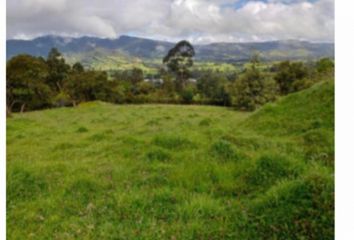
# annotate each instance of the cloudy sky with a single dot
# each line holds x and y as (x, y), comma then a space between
(200, 21)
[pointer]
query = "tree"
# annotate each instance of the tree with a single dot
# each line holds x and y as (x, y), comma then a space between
(187, 94)
(213, 87)
(58, 69)
(287, 74)
(78, 68)
(88, 86)
(25, 83)
(252, 89)
(178, 61)
(137, 76)
(325, 66)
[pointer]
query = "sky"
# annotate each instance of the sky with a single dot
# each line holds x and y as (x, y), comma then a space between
(199, 21)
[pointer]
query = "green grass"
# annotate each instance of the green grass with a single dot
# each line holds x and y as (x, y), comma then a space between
(102, 171)
(100, 59)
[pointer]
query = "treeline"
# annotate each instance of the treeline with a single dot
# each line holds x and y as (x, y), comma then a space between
(37, 83)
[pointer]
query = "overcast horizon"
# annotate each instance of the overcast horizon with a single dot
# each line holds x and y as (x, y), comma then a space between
(198, 21)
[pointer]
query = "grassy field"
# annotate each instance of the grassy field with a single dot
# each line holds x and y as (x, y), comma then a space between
(102, 171)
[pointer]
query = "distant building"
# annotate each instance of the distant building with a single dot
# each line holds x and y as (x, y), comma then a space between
(154, 81)
(159, 81)
(192, 80)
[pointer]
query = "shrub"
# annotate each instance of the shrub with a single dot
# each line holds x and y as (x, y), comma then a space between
(288, 73)
(224, 150)
(158, 155)
(325, 65)
(252, 90)
(205, 122)
(82, 130)
(268, 170)
(187, 95)
(173, 142)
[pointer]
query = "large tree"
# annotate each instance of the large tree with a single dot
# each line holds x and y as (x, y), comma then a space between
(212, 86)
(178, 61)
(287, 75)
(82, 86)
(25, 83)
(58, 69)
(253, 89)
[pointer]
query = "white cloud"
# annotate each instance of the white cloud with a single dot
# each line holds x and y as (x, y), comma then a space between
(196, 20)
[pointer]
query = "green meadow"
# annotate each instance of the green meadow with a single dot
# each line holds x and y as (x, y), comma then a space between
(105, 171)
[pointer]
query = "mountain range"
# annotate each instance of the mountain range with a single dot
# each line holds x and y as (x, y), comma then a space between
(89, 49)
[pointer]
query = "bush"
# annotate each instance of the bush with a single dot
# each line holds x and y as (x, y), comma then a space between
(224, 150)
(325, 65)
(158, 155)
(187, 95)
(288, 73)
(62, 99)
(172, 142)
(268, 170)
(252, 90)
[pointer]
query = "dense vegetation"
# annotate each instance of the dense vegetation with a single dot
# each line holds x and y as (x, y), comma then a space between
(38, 83)
(104, 171)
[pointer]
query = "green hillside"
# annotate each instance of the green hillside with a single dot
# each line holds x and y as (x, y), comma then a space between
(103, 171)
(299, 112)
(101, 59)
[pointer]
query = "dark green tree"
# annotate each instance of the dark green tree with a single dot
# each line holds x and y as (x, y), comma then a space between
(213, 87)
(187, 94)
(252, 89)
(178, 61)
(325, 66)
(287, 74)
(78, 68)
(136, 76)
(25, 84)
(58, 69)
(88, 86)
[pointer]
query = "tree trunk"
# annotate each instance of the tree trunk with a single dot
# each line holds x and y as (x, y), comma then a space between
(182, 81)
(23, 107)
(8, 111)
(59, 86)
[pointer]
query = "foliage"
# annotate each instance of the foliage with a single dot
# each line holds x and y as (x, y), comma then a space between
(187, 95)
(58, 69)
(26, 83)
(288, 73)
(325, 65)
(214, 86)
(178, 61)
(253, 89)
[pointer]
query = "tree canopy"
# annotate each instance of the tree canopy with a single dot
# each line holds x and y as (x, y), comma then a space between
(178, 61)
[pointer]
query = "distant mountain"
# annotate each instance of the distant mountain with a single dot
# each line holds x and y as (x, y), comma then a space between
(84, 48)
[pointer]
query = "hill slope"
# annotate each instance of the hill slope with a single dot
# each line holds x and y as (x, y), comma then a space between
(102, 171)
(297, 113)
(148, 49)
